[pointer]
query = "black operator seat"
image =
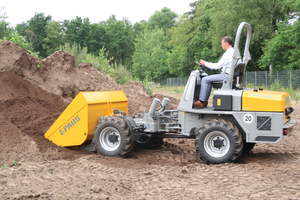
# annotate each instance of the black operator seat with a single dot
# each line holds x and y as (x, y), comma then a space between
(238, 72)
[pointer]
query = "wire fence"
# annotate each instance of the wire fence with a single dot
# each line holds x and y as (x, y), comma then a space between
(258, 78)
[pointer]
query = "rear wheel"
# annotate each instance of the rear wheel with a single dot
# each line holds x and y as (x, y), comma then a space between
(218, 141)
(112, 137)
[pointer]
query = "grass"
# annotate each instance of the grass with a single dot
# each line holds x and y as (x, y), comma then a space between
(4, 166)
(13, 163)
(276, 86)
(170, 89)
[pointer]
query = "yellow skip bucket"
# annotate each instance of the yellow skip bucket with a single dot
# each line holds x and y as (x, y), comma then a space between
(76, 124)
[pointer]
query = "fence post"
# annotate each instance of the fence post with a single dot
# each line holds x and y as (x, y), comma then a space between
(266, 72)
(255, 77)
(291, 78)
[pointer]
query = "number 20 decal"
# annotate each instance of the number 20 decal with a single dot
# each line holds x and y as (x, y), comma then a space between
(248, 118)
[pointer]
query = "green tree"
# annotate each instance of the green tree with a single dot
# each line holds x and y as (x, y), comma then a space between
(139, 27)
(163, 19)
(77, 30)
(37, 28)
(178, 59)
(21, 40)
(181, 34)
(3, 24)
(149, 58)
(263, 16)
(189, 39)
(194, 6)
(201, 44)
(98, 38)
(54, 37)
(21, 28)
(120, 41)
(283, 51)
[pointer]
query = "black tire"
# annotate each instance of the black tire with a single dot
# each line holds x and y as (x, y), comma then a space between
(112, 137)
(146, 142)
(248, 147)
(219, 141)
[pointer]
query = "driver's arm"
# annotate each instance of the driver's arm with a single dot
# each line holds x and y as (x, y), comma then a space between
(224, 61)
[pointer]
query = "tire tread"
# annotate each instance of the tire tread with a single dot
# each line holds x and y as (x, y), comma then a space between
(231, 129)
(118, 121)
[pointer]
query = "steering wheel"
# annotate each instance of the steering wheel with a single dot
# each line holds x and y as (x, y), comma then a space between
(203, 67)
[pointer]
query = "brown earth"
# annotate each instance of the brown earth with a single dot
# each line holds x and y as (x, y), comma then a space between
(33, 93)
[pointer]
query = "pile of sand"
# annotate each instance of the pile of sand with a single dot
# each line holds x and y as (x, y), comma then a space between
(33, 93)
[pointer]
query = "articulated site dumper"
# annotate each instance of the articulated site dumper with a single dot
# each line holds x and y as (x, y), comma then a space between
(238, 119)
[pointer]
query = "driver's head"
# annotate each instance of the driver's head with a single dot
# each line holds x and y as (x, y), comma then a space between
(226, 42)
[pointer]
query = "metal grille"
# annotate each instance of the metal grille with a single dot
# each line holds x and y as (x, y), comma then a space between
(264, 123)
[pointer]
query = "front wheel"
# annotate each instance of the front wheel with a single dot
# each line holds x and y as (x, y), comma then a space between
(218, 141)
(112, 137)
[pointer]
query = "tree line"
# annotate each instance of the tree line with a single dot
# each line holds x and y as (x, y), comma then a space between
(168, 44)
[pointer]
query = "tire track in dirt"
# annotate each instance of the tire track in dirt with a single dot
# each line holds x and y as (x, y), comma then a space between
(192, 181)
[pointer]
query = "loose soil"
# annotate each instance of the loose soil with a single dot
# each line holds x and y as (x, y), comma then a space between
(33, 93)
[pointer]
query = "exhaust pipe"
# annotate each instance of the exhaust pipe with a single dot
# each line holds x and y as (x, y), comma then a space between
(164, 105)
(153, 107)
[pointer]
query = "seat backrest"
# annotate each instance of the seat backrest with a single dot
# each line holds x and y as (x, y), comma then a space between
(239, 74)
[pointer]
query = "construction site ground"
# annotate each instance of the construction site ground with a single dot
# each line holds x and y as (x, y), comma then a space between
(33, 93)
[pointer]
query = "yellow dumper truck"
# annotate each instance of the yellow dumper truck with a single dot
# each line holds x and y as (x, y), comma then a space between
(238, 119)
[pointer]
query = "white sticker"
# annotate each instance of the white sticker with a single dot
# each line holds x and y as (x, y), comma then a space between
(248, 118)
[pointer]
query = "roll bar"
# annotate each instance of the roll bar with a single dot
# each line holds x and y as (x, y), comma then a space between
(237, 54)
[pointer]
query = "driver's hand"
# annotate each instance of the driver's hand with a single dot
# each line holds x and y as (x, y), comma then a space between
(202, 62)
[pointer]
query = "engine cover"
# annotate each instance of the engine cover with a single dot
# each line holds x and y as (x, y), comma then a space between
(265, 101)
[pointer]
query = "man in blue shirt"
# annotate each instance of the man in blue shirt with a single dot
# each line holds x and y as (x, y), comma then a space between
(224, 64)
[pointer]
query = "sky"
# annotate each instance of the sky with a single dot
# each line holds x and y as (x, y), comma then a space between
(19, 11)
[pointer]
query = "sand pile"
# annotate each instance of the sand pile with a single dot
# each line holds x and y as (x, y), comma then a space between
(33, 93)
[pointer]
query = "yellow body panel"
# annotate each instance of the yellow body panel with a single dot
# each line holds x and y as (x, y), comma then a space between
(265, 101)
(76, 124)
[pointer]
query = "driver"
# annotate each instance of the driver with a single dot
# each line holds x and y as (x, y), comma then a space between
(224, 63)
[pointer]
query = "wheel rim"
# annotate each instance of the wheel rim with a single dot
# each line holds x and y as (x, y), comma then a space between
(110, 139)
(216, 144)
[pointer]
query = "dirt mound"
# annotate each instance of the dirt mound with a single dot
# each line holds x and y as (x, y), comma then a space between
(33, 93)
(58, 75)
(27, 112)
